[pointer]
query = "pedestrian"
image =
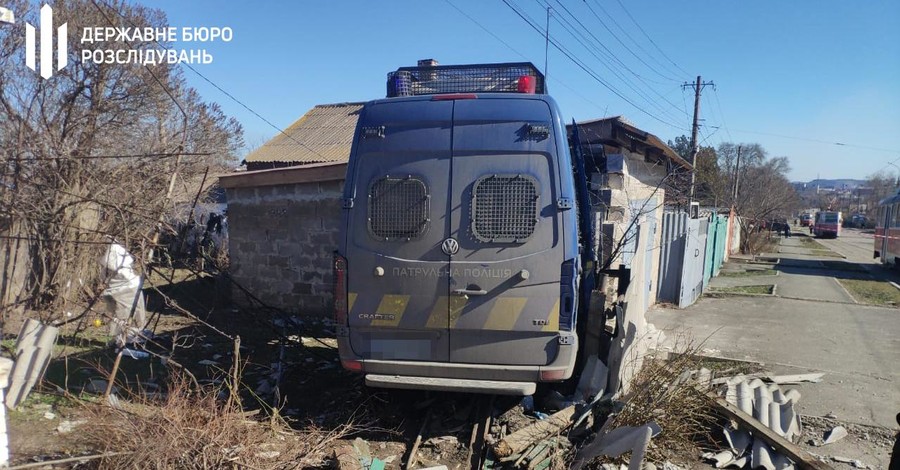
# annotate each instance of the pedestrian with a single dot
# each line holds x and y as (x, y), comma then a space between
(787, 230)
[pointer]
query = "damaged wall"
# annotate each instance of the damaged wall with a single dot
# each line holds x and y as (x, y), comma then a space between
(283, 228)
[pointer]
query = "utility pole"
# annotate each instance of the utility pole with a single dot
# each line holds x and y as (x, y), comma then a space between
(698, 87)
(737, 176)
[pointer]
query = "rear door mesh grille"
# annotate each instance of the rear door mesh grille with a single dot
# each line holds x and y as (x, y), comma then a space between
(505, 208)
(398, 208)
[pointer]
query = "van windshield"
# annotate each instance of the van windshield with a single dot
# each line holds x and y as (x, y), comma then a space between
(830, 218)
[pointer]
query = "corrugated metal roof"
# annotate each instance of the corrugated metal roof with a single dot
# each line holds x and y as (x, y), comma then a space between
(323, 134)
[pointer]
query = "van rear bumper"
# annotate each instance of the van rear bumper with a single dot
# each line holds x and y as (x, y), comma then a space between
(412, 373)
(451, 385)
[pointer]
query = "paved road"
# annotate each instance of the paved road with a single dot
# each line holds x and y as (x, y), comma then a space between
(854, 244)
(858, 347)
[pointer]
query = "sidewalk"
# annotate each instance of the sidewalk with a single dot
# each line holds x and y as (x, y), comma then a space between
(855, 345)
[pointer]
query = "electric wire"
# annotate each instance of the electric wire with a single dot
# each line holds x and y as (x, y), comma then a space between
(217, 87)
(649, 38)
(625, 32)
(721, 113)
(520, 54)
(584, 67)
(619, 40)
(569, 28)
(597, 41)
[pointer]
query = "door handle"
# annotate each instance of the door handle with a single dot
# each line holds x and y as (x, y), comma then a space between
(468, 292)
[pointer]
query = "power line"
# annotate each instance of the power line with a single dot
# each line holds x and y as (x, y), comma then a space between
(624, 31)
(229, 95)
(568, 27)
(583, 67)
(636, 56)
(721, 114)
(807, 139)
(508, 46)
(614, 57)
(648, 37)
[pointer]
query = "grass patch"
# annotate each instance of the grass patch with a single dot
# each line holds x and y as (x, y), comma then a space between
(749, 273)
(810, 243)
(872, 292)
(765, 289)
(844, 266)
(825, 253)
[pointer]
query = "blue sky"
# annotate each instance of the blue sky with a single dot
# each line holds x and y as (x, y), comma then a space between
(817, 71)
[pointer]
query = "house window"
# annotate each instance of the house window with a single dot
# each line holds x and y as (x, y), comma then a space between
(504, 208)
(398, 208)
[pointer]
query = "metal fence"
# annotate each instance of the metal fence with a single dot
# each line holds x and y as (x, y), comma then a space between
(683, 247)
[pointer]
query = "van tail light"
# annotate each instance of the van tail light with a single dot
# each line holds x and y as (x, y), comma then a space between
(351, 365)
(527, 84)
(553, 375)
(340, 289)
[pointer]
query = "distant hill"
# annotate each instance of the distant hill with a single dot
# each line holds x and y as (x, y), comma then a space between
(832, 184)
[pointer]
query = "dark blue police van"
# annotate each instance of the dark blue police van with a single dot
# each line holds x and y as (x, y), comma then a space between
(458, 263)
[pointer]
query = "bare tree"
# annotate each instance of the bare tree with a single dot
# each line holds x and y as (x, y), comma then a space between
(91, 151)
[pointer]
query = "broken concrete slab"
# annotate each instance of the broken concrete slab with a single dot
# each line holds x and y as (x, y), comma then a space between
(794, 378)
(835, 434)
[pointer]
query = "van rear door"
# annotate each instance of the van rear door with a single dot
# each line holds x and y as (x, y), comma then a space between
(505, 277)
(397, 274)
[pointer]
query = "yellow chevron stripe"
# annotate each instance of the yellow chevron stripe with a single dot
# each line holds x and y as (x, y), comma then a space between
(351, 299)
(438, 316)
(505, 313)
(457, 304)
(391, 305)
(553, 319)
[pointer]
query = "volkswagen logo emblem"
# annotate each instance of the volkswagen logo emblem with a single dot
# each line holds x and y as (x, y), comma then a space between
(450, 246)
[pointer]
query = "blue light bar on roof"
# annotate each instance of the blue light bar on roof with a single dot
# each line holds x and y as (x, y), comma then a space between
(476, 78)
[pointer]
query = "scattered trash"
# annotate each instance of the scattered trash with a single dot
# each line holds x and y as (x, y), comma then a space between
(207, 362)
(67, 426)
(527, 403)
(49, 415)
(134, 354)
(856, 463)
(794, 379)
(835, 434)
(98, 386)
(268, 455)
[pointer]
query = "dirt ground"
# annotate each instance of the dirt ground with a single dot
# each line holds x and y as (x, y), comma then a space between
(291, 368)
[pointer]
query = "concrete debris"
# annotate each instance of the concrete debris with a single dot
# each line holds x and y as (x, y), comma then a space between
(268, 454)
(768, 404)
(856, 463)
(794, 379)
(593, 379)
(49, 415)
(835, 434)
(618, 441)
(33, 349)
(720, 459)
(738, 439)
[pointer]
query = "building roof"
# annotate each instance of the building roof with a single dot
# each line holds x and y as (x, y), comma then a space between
(323, 134)
(617, 130)
(313, 173)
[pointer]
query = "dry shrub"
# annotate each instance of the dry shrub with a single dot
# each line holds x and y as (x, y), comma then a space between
(681, 408)
(193, 429)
